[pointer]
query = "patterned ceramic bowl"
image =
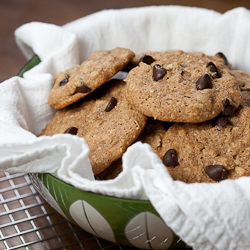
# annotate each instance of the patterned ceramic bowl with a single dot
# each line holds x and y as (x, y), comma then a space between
(124, 221)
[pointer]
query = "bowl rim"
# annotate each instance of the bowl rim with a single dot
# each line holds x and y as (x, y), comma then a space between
(32, 62)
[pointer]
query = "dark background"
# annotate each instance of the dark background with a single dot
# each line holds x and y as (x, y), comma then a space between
(14, 13)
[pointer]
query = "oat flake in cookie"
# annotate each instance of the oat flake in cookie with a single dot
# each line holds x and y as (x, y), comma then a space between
(81, 80)
(210, 151)
(181, 87)
(108, 126)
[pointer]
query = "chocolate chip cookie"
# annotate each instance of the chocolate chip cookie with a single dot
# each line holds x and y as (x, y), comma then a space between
(245, 98)
(242, 78)
(210, 151)
(80, 80)
(111, 172)
(175, 86)
(153, 134)
(147, 57)
(108, 124)
(243, 81)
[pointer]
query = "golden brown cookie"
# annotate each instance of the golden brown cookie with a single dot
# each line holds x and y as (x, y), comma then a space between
(245, 98)
(153, 134)
(242, 78)
(111, 172)
(81, 80)
(145, 57)
(109, 125)
(243, 81)
(211, 151)
(176, 86)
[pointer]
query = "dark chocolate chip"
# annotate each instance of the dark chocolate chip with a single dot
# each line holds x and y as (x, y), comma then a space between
(82, 89)
(228, 108)
(147, 59)
(170, 159)
(221, 121)
(112, 103)
(64, 81)
(214, 69)
(220, 54)
(204, 82)
(158, 72)
(217, 172)
(71, 130)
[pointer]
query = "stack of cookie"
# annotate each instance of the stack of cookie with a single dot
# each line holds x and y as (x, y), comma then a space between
(191, 108)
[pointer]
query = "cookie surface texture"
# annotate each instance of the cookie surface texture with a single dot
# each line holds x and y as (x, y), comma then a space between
(81, 80)
(181, 87)
(243, 81)
(242, 78)
(210, 151)
(109, 125)
(153, 134)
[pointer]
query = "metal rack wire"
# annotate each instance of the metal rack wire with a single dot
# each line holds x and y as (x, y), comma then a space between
(28, 222)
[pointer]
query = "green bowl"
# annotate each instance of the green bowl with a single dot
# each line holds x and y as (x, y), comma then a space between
(124, 221)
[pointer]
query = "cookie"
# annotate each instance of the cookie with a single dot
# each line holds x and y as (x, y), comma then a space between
(108, 124)
(243, 81)
(111, 172)
(210, 151)
(242, 78)
(153, 134)
(245, 98)
(175, 86)
(145, 57)
(81, 80)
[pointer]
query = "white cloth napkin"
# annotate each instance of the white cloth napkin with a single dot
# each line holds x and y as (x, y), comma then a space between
(206, 216)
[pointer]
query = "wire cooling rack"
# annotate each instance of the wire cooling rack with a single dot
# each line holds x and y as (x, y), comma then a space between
(28, 222)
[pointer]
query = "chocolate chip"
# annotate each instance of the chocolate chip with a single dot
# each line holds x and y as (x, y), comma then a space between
(214, 70)
(147, 59)
(82, 89)
(170, 159)
(158, 72)
(217, 172)
(220, 54)
(112, 103)
(228, 108)
(64, 81)
(71, 130)
(204, 82)
(221, 121)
